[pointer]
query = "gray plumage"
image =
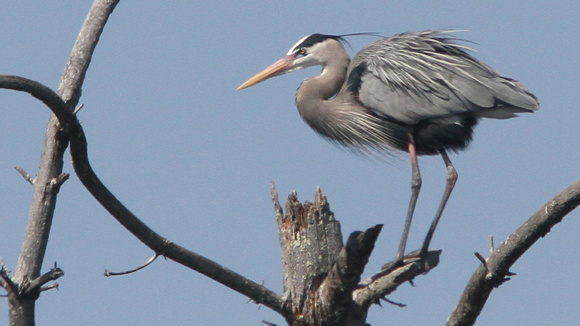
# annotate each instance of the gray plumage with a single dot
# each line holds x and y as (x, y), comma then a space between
(420, 92)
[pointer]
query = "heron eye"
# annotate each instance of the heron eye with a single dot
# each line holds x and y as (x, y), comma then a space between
(302, 51)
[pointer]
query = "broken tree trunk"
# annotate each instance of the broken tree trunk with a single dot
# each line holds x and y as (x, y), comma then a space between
(322, 275)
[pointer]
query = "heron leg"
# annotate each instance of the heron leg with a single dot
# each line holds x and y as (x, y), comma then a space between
(415, 188)
(451, 179)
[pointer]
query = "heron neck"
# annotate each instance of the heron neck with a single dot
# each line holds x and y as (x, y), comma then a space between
(314, 92)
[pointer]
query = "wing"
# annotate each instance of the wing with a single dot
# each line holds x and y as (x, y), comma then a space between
(416, 76)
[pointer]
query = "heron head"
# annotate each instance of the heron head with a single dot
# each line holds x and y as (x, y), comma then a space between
(311, 50)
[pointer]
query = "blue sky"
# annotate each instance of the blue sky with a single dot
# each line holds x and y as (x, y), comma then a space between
(194, 158)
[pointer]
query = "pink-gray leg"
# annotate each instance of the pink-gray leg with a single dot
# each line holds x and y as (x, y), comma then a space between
(415, 188)
(451, 179)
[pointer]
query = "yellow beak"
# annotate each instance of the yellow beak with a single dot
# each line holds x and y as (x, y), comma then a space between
(275, 69)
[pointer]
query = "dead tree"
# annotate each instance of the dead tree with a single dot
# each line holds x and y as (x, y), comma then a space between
(322, 275)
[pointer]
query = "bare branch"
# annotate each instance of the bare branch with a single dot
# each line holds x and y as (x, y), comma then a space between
(156, 242)
(387, 281)
(150, 238)
(47, 96)
(484, 280)
(35, 286)
(80, 58)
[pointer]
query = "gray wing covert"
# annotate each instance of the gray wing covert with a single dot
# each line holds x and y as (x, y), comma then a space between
(417, 76)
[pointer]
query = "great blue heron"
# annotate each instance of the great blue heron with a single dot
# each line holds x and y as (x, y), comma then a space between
(419, 92)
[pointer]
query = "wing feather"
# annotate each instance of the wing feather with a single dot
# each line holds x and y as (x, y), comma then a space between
(417, 76)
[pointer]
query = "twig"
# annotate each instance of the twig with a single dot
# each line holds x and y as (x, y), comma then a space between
(5, 280)
(78, 109)
(268, 323)
(151, 260)
(25, 175)
(398, 304)
(482, 260)
(56, 183)
(49, 287)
